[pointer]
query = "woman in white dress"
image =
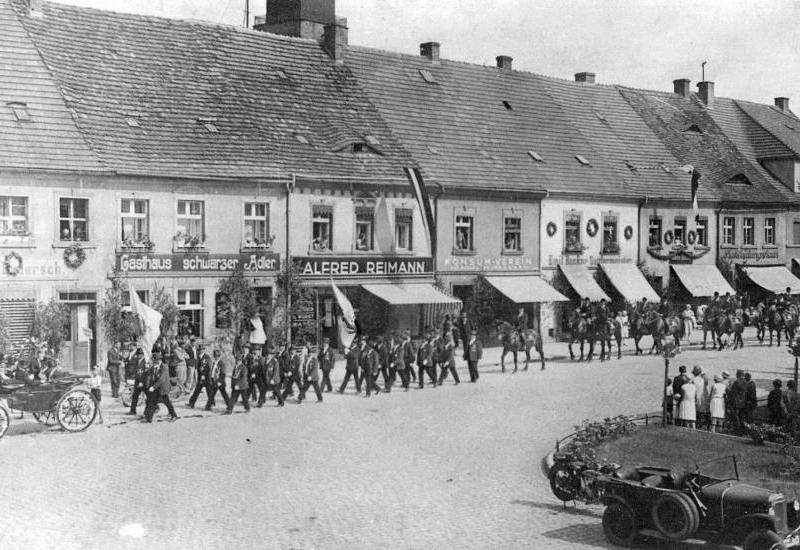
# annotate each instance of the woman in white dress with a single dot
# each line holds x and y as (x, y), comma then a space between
(689, 322)
(686, 409)
(717, 403)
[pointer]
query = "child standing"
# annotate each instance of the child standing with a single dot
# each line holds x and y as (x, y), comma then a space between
(94, 382)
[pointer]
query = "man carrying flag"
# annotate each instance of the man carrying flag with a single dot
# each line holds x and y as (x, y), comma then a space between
(347, 320)
(148, 323)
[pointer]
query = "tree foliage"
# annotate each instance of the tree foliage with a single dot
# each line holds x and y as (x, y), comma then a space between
(289, 285)
(5, 337)
(51, 323)
(163, 302)
(118, 321)
(481, 308)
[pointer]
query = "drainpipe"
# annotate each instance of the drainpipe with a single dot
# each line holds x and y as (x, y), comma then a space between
(288, 259)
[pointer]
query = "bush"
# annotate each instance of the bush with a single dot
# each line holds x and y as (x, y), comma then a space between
(51, 323)
(589, 435)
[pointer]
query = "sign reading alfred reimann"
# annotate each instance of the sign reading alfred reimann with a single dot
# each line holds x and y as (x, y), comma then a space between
(371, 266)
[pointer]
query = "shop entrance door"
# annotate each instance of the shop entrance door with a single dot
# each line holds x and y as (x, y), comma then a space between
(78, 351)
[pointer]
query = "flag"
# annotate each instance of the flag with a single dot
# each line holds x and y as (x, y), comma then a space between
(148, 323)
(421, 193)
(347, 319)
(695, 186)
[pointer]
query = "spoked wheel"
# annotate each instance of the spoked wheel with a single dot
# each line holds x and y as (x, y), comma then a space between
(76, 410)
(619, 524)
(5, 421)
(564, 482)
(48, 418)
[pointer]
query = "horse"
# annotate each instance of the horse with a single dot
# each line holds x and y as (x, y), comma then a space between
(718, 324)
(775, 323)
(605, 331)
(754, 316)
(790, 318)
(581, 330)
(513, 341)
(653, 325)
(675, 326)
(736, 321)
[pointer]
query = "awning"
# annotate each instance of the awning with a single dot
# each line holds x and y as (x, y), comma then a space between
(702, 280)
(629, 282)
(410, 294)
(582, 282)
(773, 278)
(522, 290)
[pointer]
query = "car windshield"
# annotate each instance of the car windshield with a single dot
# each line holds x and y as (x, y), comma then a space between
(718, 468)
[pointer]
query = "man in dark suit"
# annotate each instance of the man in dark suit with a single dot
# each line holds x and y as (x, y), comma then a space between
(311, 374)
(352, 357)
(381, 346)
(397, 361)
(192, 360)
(370, 365)
(136, 370)
(240, 386)
(425, 360)
(113, 366)
(272, 371)
(326, 362)
(464, 326)
(473, 352)
(293, 373)
(203, 368)
(257, 369)
(410, 357)
(217, 371)
(158, 391)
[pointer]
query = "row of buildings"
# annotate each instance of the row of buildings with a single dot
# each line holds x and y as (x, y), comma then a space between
(169, 153)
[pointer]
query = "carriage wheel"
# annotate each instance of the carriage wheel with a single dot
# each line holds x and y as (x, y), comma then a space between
(76, 410)
(5, 421)
(48, 418)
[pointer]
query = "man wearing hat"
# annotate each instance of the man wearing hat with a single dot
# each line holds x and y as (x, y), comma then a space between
(473, 352)
(204, 382)
(192, 361)
(272, 372)
(240, 386)
(326, 362)
(158, 391)
(311, 373)
(397, 361)
(737, 397)
(352, 357)
(258, 375)
(136, 370)
(410, 356)
(425, 360)
(294, 375)
(113, 366)
(369, 362)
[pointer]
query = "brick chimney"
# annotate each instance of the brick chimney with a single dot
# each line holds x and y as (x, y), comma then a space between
(706, 92)
(782, 103)
(682, 87)
(301, 18)
(430, 50)
(588, 78)
(334, 39)
(504, 62)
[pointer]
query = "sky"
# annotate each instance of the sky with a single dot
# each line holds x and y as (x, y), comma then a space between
(752, 47)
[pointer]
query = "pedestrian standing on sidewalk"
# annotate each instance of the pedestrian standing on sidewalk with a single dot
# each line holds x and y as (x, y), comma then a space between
(687, 411)
(352, 356)
(689, 322)
(775, 404)
(326, 363)
(702, 398)
(113, 366)
(473, 352)
(717, 405)
(464, 326)
(448, 361)
(239, 386)
(311, 373)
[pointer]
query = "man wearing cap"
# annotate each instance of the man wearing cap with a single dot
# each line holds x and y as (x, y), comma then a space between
(397, 365)
(272, 370)
(294, 375)
(473, 352)
(425, 360)
(352, 356)
(410, 357)
(158, 391)
(326, 361)
(311, 373)
(737, 397)
(240, 386)
(113, 365)
(192, 361)
(382, 349)
(137, 370)
(258, 374)
(369, 361)
(216, 380)
(203, 369)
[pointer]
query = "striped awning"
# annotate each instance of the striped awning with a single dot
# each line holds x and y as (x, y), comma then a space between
(582, 282)
(774, 278)
(410, 294)
(629, 282)
(526, 289)
(702, 281)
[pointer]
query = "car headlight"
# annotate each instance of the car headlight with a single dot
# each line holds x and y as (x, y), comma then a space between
(771, 511)
(796, 505)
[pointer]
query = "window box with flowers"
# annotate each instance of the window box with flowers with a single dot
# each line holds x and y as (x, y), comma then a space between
(143, 244)
(258, 244)
(611, 248)
(188, 241)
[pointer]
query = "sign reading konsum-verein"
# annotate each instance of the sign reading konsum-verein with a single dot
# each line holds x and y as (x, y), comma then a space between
(363, 266)
(196, 263)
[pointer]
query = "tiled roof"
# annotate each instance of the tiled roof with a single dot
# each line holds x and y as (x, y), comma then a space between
(473, 126)
(685, 126)
(147, 93)
(616, 130)
(749, 136)
(49, 140)
(784, 126)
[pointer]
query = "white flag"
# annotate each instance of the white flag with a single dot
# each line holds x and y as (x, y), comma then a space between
(347, 320)
(148, 323)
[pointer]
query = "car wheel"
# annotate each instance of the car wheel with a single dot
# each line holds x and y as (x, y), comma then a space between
(564, 482)
(619, 524)
(763, 540)
(675, 516)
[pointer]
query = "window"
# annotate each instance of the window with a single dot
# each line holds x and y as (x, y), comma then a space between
(749, 231)
(702, 231)
(403, 218)
(427, 76)
(512, 234)
(729, 230)
(464, 232)
(679, 230)
(365, 224)
(572, 233)
(769, 231)
(796, 233)
(20, 111)
(190, 223)
(190, 311)
(322, 227)
(134, 214)
(13, 215)
(256, 224)
(582, 160)
(610, 235)
(654, 231)
(73, 219)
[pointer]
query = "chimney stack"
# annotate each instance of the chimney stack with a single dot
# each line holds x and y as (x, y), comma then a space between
(301, 18)
(334, 39)
(430, 50)
(504, 62)
(588, 78)
(706, 93)
(682, 87)
(782, 103)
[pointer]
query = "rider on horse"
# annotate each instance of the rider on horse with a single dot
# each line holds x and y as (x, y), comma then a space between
(585, 309)
(522, 324)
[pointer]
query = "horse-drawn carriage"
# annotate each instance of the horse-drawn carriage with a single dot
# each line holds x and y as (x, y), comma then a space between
(61, 401)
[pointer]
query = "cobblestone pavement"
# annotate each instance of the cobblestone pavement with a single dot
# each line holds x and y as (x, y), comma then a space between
(451, 467)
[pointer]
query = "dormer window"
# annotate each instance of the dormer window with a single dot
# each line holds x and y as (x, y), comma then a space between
(582, 160)
(427, 76)
(694, 129)
(20, 111)
(535, 156)
(209, 124)
(357, 148)
(739, 179)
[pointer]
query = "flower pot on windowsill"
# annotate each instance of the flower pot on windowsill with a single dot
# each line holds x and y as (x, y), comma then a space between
(574, 249)
(610, 249)
(188, 242)
(144, 245)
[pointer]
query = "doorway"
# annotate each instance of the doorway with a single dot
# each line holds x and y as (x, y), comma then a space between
(79, 348)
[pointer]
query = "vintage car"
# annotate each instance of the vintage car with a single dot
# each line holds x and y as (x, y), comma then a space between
(679, 505)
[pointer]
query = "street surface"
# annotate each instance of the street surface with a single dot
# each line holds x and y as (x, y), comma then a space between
(451, 467)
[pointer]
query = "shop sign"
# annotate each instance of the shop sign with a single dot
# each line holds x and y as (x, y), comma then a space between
(481, 263)
(749, 254)
(363, 266)
(198, 263)
(569, 259)
(14, 265)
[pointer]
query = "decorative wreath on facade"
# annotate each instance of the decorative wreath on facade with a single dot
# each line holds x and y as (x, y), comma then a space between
(668, 237)
(551, 229)
(13, 263)
(691, 237)
(592, 227)
(74, 256)
(628, 232)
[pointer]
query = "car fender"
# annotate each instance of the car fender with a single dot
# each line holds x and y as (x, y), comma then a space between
(609, 498)
(750, 522)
